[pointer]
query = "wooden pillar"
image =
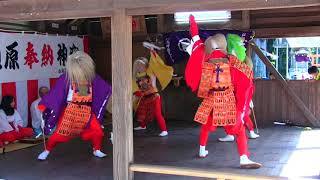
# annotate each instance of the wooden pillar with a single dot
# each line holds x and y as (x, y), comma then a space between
(161, 23)
(121, 43)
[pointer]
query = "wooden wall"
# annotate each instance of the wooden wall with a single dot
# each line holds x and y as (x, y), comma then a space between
(269, 23)
(270, 100)
(272, 103)
(100, 50)
(179, 103)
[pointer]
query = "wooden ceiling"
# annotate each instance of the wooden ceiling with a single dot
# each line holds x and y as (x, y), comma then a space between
(31, 10)
(268, 18)
(283, 22)
(304, 21)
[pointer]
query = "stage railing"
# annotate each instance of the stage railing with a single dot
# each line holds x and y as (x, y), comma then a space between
(194, 172)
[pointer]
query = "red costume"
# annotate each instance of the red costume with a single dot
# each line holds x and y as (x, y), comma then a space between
(94, 134)
(11, 127)
(223, 82)
(230, 112)
(7, 137)
(23, 133)
(247, 119)
(149, 105)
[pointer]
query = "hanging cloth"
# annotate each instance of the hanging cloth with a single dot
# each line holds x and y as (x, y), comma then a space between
(157, 67)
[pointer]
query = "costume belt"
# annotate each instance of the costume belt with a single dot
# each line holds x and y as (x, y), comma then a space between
(82, 103)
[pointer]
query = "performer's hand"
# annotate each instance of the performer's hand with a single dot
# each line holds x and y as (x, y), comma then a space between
(138, 94)
(42, 108)
(193, 26)
(189, 48)
(251, 104)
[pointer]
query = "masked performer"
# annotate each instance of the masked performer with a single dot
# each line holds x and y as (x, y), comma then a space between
(146, 96)
(222, 81)
(75, 105)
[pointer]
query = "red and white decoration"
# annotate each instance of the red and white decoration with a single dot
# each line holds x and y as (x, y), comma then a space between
(29, 61)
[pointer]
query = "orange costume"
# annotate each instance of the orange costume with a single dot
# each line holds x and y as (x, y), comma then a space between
(73, 121)
(223, 82)
(75, 105)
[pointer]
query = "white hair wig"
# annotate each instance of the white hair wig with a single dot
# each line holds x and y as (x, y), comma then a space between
(80, 68)
(137, 62)
(217, 41)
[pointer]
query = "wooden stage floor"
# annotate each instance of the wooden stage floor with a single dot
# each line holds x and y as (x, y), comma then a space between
(283, 151)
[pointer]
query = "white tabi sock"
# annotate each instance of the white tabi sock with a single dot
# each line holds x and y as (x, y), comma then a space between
(43, 156)
(246, 163)
(245, 160)
(253, 135)
(163, 134)
(227, 138)
(203, 152)
(99, 154)
(139, 128)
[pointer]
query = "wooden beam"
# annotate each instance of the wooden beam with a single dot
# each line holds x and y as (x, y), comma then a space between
(76, 22)
(161, 23)
(286, 20)
(55, 15)
(105, 27)
(161, 7)
(121, 42)
(287, 32)
(195, 172)
(24, 10)
(285, 11)
(141, 25)
(291, 94)
(252, 4)
(21, 10)
(246, 20)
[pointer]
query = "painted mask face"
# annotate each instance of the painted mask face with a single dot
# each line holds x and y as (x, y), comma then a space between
(144, 83)
(141, 68)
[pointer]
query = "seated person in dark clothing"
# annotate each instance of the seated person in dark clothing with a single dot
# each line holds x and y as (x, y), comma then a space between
(314, 71)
